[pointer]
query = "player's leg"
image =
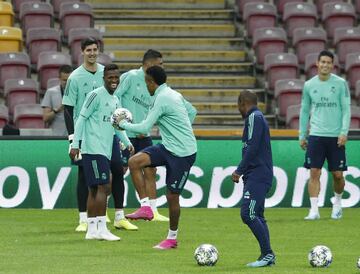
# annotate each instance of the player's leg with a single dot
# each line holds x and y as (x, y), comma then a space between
(81, 194)
(337, 164)
(314, 160)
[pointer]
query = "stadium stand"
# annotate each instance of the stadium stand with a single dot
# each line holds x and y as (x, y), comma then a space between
(4, 115)
(292, 116)
(258, 15)
(278, 66)
(10, 39)
(6, 14)
(352, 69)
(28, 116)
(36, 15)
(357, 92)
(20, 91)
(280, 4)
(13, 65)
(42, 39)
(346, 40)
(17, 3)
(103, 59)
(297, 15)
(355, 117)
(310, 68)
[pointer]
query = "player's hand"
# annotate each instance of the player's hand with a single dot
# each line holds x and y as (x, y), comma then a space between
(74, 153)
(235, 177)
(116, 119)
(303, 144)
(342, 139)
(131, 149)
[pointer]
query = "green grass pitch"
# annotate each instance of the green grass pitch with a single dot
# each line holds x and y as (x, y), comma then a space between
(44, 241)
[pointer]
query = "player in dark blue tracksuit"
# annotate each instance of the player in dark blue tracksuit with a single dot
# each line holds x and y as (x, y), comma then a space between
(256, 169)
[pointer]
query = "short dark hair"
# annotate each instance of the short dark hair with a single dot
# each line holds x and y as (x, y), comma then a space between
(326, 53)
(158, 74)
(151, 54)
(88, 41)
(248, 97)
(110, 67)
(65, 69)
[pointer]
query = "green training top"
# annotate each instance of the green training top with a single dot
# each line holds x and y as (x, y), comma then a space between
(134, 96)
(174, 116)
(94, 127)
(79, 84)
(329, 104)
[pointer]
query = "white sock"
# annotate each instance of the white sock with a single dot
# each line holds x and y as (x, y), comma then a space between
(92, 225)
(119, 215)
(338, 197)
(314, 204)
(82, 217)
(153, 205)
(145, 202)
(101, 223)
(172, 234)
(107, 201)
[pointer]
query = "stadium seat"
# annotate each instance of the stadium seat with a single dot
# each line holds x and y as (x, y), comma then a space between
(28, 116)
(52, 82)
(280, 4)
(48, 66)
(258, 15)
(308, 40)
(356, 4)
(310, 67)
(6, 14)
(355, 117)
(297, 15)
(103, 59)
(78, 34)
(241, 3)
(56, 5)
(320, 3)
(352, 69)
(336, 15)
(10, 39)
(287, 93)
(346, 40)
(292, 116)
(13, 65)
(20, 91)
(36, 15)
(280, 66)
(75, 15)
(4, 115)
(17, 3)
(268, 40)
(42, 39)
(357, 91)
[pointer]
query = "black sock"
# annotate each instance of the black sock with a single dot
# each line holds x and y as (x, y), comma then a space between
(82, 190)
(117, 187)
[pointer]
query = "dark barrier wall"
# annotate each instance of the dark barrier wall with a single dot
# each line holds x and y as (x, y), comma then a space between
(37, 174)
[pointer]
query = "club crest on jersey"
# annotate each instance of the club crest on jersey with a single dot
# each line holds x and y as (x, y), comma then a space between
(103, 176)
(247, 195)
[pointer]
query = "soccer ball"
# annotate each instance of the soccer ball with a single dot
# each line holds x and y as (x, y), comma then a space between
(320, 256)
(206, 254)
(120, 114)
(358, 263)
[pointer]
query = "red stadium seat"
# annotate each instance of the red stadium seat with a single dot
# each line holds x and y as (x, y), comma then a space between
(310, 67)
(56, 5)
(280, 4)
(258, 15)
(13, 65)
(287, 93)
(308, 40)
(357, 91)
(36, 15)
(355, 117)
(352, 69)
(299, 15)
(42, 39)
(268, 40)
(292, 116)
(6, 14)
(29, 116)
(75, 15)
(337, 15)
(49, 64)
(20, 91)
(320, 3)
(103, 59)
(4, 115)
(241, 3)
(356, 4)
(17, 3)
(346, 40)
(78, 34)
(52, 82)
(279, 66)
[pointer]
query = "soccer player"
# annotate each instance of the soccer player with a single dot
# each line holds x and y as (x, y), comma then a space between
(174, 116)
(52, 107)
(82, 81)
(256, 170)
(327, 97)
(135, 97)
(96, 134)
